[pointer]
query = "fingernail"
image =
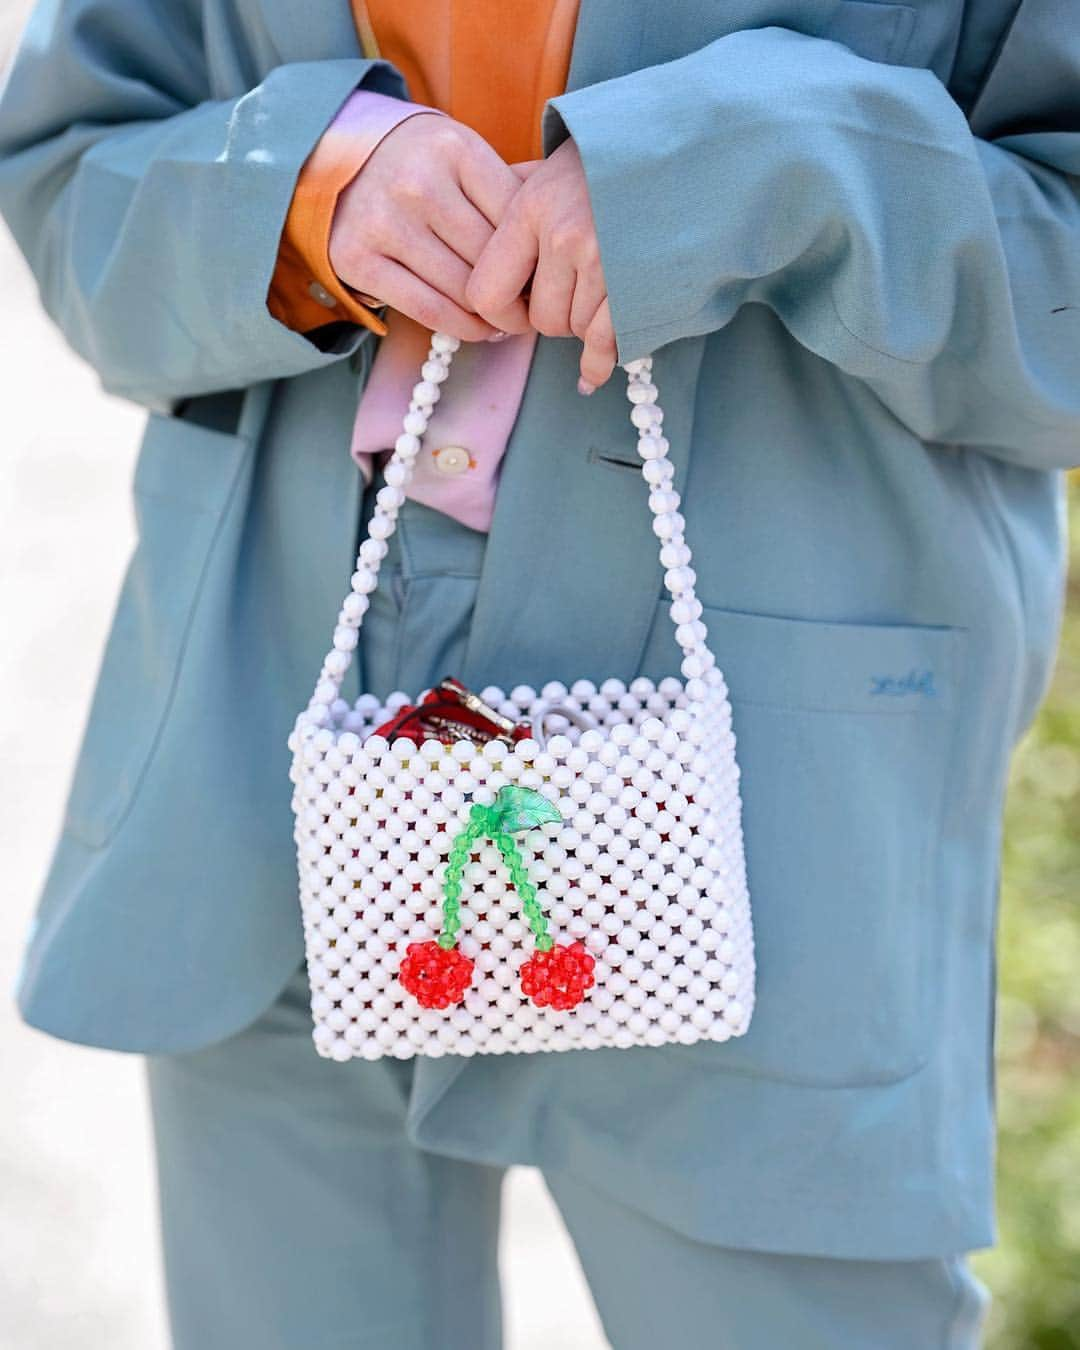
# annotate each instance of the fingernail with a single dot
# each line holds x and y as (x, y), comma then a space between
(500, 336)
(584, 387)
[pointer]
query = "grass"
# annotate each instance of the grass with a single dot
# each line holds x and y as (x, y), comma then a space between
(1034, 1273)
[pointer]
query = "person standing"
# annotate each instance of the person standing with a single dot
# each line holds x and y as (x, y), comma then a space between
(850, 235)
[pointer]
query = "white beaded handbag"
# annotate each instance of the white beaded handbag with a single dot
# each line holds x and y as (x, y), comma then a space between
(582, 887)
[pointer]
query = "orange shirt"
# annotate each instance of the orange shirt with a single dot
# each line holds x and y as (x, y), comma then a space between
(489, 64)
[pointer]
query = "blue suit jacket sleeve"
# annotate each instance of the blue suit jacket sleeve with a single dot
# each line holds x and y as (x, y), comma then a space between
(151, 213)
(934, 256)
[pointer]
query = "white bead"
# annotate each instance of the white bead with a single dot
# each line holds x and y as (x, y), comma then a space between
(668, 524)
(443, 342)
(679, 579)
(686, 609)
(407, 446)
(645, 415)
(663, 500)
(364, 580)
(426, 393)
(675, 553)
(395, 473)
(691, 634)
(372, 552)
(414, 424)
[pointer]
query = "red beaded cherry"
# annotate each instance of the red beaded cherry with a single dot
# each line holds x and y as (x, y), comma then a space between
(435, 976)
(557, 978)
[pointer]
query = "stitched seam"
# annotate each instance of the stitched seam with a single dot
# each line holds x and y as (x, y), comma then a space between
(844, 710)
(434, 574)
(877, 1080)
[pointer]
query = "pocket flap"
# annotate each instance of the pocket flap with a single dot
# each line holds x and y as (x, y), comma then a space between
(834, 667)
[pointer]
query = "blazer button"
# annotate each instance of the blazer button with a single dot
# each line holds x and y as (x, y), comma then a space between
(321, 295)
(452, 460)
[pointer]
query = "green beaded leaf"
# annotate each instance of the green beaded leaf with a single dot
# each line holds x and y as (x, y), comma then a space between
(520, 808)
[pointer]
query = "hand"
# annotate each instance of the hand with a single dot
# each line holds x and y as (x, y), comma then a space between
(549, 228)
(414, 220)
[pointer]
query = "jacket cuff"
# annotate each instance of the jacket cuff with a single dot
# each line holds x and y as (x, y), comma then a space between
(305, 291)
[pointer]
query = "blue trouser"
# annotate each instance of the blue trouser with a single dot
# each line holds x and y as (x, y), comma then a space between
(300, 1212)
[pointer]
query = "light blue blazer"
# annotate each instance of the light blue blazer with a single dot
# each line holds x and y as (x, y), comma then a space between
(850, 232)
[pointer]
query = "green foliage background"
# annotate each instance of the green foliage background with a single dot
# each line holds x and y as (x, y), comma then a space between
(1034, 1274)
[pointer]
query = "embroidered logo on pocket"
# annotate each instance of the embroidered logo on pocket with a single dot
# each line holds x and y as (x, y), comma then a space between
(920, 682)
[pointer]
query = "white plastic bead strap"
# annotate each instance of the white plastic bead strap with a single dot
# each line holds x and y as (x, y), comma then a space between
(668, 525)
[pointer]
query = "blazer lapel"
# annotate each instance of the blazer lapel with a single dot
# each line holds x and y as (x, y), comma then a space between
(571, 576)
(607, 41)
(315, 30)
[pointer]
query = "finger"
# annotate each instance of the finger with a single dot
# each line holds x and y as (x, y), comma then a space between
(550, 295)
(487, 180)
(423, 253)
(404, 291)
(460, 226)
(599, 355)
(589, 294)
(502, 272)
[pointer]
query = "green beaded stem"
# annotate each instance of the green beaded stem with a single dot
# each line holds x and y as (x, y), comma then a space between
(514, 806)
(459, 855)
(519, 876)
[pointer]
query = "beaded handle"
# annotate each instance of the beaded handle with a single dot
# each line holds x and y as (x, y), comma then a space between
(657, 470)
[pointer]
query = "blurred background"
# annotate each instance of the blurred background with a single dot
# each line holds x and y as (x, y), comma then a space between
(78, 1254)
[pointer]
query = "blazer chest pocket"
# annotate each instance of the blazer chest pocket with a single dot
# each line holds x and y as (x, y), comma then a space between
(183, 480)
(843, 735)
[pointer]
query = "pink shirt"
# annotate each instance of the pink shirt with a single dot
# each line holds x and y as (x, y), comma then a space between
(458, 469)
